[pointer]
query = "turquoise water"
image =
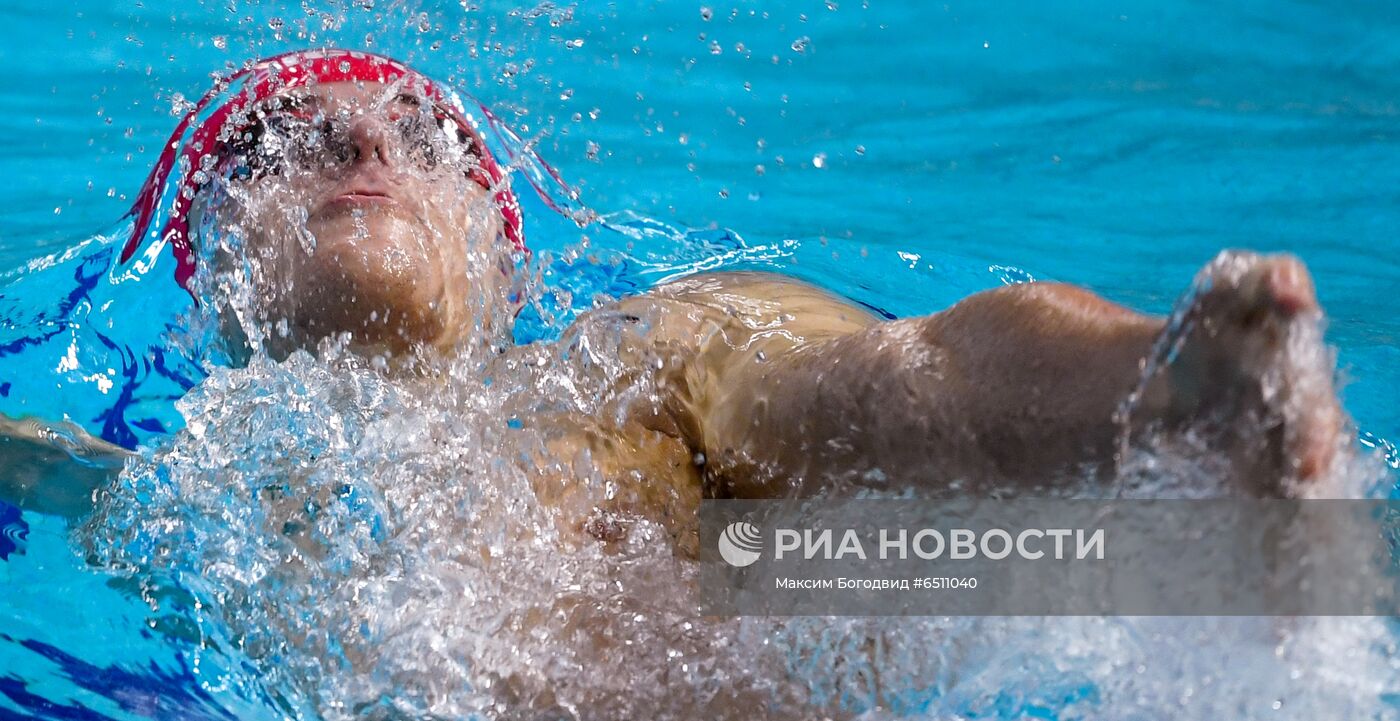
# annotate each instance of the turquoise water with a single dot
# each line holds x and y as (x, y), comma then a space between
(904, 155)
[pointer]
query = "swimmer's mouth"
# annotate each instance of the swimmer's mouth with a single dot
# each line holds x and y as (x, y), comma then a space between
(361, 197)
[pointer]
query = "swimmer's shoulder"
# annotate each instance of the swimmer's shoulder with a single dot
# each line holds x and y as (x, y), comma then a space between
(693, 341)
(751, 299)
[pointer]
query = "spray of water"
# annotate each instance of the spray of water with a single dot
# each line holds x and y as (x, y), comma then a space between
(364, 539)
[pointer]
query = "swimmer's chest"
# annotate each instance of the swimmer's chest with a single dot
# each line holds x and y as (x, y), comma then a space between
(624, 471)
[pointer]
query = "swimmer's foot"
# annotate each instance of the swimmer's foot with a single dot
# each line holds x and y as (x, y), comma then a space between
(1253, 374)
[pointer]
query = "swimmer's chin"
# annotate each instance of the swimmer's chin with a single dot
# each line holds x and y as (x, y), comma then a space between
(386, 229)
(375, 291)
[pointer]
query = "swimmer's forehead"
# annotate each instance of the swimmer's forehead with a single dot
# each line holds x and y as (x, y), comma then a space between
(351, 96)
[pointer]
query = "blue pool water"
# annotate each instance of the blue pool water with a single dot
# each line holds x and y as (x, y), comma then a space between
(903, 154)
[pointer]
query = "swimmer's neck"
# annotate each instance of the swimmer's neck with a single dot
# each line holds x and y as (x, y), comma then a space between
(409, 363)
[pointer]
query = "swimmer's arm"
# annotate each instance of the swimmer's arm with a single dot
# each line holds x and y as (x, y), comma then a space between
(54, 467)
(1002, 384)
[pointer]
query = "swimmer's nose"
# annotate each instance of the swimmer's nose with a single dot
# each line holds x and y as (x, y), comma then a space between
(372, 141)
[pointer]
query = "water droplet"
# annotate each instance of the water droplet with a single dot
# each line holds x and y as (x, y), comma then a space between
(819, 160)
(1010, 274)
(179, 105)
(715, 48)
(221, 42)
(800, 45)
(706, 13)
(860, 150)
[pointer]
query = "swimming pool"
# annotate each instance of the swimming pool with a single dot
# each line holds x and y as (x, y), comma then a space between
(902, 155)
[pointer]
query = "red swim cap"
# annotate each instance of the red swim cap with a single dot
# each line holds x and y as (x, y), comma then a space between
(261, 81)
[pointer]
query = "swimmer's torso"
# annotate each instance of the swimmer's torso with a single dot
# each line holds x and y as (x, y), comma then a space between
(647, 369)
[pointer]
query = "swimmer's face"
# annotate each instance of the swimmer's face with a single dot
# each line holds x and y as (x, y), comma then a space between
(360, 212)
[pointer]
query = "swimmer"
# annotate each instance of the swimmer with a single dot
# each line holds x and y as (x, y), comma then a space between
(371, 212)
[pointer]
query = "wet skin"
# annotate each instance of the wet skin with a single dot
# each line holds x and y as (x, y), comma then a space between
(763, 386)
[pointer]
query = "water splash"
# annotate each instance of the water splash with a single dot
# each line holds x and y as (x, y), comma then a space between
(377, 546)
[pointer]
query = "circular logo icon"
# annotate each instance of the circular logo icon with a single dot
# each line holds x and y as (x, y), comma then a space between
(741, 544)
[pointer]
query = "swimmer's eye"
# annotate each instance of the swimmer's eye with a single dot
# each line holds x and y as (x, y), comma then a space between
(282, 132)
(251, 155)
(423, 124)
(434, 137)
